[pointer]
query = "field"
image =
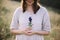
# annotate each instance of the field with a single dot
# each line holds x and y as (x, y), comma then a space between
(54, 17)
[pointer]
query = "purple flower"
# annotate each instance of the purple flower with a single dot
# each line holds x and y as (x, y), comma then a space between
(30, 19)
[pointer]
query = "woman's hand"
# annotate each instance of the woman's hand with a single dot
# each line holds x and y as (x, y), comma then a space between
(31, 33)
(28, 32)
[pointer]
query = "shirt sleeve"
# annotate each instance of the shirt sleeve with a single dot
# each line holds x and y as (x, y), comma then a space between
(15, 21)
(46, 21)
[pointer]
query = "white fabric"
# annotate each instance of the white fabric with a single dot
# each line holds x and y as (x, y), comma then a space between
(40, 21)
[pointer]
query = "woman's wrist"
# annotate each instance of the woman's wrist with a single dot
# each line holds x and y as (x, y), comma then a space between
(21, 32)
(37, 32)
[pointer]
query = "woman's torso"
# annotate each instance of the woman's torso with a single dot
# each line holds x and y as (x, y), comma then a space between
(36, 21)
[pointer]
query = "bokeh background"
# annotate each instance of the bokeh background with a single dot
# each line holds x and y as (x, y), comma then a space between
(7, 8)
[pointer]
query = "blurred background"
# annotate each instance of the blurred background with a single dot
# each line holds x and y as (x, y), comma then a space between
(7, 8)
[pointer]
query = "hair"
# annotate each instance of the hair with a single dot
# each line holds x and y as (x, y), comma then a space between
(34, 5)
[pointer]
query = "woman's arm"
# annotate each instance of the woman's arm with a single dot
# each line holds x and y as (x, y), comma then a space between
(15, 22)
(46, 27)
(16, 32)
(42, 32)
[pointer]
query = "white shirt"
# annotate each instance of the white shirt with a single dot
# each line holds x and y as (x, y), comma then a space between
(40, 21)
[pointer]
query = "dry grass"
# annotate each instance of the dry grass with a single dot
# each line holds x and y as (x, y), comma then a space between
(11, 5)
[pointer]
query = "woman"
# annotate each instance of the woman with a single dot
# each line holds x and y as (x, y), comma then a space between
(31, 22)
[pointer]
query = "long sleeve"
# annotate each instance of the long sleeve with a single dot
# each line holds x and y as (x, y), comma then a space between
(15, 21)
(46, 21)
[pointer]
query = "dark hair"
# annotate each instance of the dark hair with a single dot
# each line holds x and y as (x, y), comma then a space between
(35, 6)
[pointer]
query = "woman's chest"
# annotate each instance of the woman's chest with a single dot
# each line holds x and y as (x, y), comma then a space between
(36, 19)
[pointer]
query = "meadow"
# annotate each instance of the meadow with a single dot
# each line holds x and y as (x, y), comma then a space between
(7, 9)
